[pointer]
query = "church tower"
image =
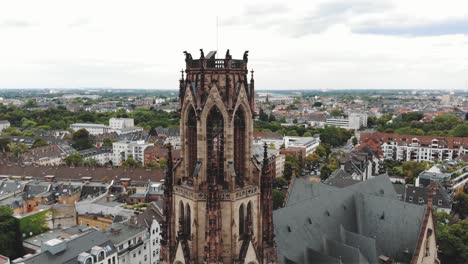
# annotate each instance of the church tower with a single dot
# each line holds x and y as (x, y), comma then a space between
(217, 198)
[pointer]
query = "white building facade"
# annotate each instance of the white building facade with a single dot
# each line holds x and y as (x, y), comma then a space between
(123, 149)
(353, 121)
(309, 144)
(93, 129)
(4, 124)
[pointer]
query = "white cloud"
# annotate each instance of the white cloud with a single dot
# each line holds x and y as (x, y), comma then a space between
(293, 44)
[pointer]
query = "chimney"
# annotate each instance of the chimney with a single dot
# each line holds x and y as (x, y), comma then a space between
(49, 178)
(125, 182)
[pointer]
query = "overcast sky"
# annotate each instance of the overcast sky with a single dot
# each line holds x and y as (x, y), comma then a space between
(341, 44)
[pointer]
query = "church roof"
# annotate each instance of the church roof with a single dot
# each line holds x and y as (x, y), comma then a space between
(355, 224)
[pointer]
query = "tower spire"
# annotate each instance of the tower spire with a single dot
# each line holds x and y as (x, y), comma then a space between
(167, 241)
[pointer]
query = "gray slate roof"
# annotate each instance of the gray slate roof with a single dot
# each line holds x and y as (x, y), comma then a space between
(355, 224)
(75, 246)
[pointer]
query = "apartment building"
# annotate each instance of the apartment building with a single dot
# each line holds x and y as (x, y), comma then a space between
(418, 148)
(123, 149)
(93, 129)
(352, 121)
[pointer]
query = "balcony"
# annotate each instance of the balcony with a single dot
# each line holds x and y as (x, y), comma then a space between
(217, 64)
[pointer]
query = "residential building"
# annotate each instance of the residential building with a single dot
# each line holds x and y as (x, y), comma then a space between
(151, 219)
(88, 247)
(273, 139)
(117, 125)
(4, 124)
(101, 155)
(52, 155)
(93, 129)
(131, 241)
(352, 121)
(442, 201)
(157, 153)
(98, 221)
(418, 148)
(306, 144)
(123, 149)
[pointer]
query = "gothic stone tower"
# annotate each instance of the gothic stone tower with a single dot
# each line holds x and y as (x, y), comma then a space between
(217, 201)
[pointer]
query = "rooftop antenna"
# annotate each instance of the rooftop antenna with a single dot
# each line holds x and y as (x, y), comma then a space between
(217, 34)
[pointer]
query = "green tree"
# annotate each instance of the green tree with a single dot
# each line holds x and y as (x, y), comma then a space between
(460, 205)
(288, 171)
(81, 139)
(412, 116)
(39, 143)
(460, 131)
(90, 163)
(452, 239)
(263, 116)
(131, 163)
(325, 172)
(107, 142)
(12, 131)
(278, 198)
(307, 134)
(30, 104)
(271, 118)
(355, 141)
(280, 182)
(4, 144)
(10, 235)
(336, 112)
(27, 124)
(322, 150)
(74, 159)
(317, 104)
(312, 160)
(17, 149)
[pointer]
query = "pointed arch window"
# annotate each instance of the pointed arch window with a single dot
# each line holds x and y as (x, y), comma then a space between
(215, 146)
(181, 218)
(239, 145)
(248, 223)
(191, 140)
(241, 221)
(188, 221)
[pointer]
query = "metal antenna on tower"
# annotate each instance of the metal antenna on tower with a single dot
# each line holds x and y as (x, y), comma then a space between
(217, 34)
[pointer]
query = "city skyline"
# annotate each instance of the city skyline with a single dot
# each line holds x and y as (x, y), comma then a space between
(334, 45)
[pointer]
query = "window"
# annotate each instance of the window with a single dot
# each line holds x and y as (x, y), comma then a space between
(192, 140)
(239, 145)
(241, 221)
(439, 202)
(421, 200)
(188, 221)
(215, 146)
(145, 258)
(134, 255)
(411, 198)
(182, 216)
